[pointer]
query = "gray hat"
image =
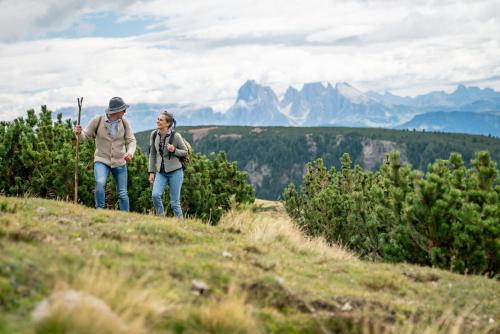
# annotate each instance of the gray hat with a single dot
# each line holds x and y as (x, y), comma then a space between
(116, 104)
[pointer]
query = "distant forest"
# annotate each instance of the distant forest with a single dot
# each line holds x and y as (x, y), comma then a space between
(276, 156)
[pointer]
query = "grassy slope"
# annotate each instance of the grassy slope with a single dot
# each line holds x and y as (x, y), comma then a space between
(270, 279)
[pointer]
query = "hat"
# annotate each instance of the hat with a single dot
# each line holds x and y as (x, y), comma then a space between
(116, 104)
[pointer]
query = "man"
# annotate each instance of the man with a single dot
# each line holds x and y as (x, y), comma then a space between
(115, 145)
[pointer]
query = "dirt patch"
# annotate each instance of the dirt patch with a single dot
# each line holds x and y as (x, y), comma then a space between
(231, 229)
(229, 135)
(337, 315)
(262, 205)
(114, 235)
(252, 249)
(422, 277)
(272, 293)
(24, 235)
(256, 130)
(200, 133)
(264, 265)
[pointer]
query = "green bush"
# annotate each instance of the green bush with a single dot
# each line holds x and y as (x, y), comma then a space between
(37, 158)
(448, 217)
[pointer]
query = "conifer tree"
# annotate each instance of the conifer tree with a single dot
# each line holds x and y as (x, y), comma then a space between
(448, 217)
(37, 158)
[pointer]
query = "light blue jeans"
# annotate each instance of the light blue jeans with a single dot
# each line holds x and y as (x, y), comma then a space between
(174, 180)
(101, 172)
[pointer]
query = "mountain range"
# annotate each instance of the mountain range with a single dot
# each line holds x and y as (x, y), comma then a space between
(467, 109)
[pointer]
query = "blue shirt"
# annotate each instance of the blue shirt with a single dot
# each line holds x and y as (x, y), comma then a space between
(112, 127)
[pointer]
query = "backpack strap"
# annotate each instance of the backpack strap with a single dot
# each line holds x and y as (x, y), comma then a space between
(98, 125)
(170, 141)
(152, 141)
(125, 124)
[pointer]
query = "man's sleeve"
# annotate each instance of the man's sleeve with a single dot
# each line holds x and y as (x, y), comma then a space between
(90, 130)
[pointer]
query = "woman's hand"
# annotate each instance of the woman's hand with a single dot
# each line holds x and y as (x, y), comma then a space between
(151, 178)
(170, 148)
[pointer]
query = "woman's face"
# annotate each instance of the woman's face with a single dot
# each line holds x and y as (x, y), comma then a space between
(162, 122)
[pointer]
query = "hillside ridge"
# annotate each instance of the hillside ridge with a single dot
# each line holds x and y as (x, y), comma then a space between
(273, 157)
(254, 269)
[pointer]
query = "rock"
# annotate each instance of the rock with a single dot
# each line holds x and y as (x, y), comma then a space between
(41, 210)
(64, 220)
(49, 238)
(199, 287)
(252, 249)
(69, 303)
(347, 307)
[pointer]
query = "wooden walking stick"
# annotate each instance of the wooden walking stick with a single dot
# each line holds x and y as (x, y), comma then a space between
(80, 101)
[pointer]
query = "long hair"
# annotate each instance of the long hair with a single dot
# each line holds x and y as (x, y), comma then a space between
(169, 117)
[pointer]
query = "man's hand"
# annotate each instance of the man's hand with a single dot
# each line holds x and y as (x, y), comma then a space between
(77, 129)
(127, 156)
(151, 178)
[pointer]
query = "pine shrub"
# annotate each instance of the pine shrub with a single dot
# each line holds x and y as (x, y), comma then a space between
(448, 217)
(37, 158)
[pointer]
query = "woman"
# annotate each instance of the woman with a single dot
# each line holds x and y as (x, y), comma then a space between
(166, 146)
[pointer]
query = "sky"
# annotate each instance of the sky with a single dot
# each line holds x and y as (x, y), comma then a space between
(200, 52)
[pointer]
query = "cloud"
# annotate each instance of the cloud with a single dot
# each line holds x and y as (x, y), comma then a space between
(201, 52)
(32, 19)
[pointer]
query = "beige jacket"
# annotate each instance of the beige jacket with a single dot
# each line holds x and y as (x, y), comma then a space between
(108, 150)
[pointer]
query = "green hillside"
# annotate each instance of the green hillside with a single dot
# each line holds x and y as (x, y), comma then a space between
(133, 273)
(276, 156)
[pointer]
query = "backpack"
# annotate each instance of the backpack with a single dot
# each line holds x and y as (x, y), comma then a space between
(184, 160)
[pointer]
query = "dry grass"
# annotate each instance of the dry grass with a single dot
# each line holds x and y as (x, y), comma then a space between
(100, 301)
(229, 315)
(293, 283)
(447, 323)
(267, 229)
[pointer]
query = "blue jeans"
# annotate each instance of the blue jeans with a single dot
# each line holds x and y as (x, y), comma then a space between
(101, 172)
(174, 180)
